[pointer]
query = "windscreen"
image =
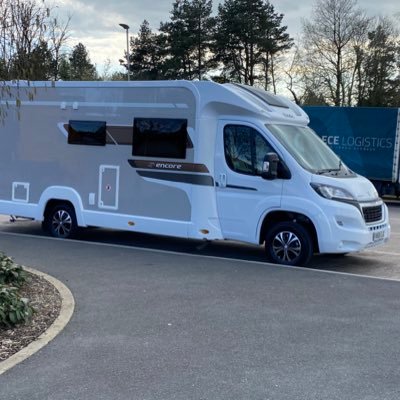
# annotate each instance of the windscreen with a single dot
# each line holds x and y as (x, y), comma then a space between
(306, 148)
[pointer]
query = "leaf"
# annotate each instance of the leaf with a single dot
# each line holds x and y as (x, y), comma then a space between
(13, 317)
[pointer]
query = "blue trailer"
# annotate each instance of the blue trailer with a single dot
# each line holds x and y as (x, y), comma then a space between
(365, 138)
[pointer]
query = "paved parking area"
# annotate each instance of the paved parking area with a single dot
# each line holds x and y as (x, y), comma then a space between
(155, 324)
(378, 262)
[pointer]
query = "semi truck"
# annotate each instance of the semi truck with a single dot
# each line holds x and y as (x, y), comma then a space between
(187, 159)
(367, 139)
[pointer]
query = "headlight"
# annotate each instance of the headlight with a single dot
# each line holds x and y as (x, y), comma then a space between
(332, 192)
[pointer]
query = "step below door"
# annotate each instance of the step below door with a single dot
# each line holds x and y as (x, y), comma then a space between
(108, 186)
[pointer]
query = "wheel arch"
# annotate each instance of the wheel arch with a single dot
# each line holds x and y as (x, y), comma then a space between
(274, 217)
(58, 194)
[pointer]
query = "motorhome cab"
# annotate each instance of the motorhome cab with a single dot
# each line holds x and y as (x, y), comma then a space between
(186, 159)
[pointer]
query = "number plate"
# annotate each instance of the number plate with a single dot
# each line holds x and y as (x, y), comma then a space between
(377, 236)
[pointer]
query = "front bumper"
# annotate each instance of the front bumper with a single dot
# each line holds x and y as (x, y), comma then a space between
(349, 232)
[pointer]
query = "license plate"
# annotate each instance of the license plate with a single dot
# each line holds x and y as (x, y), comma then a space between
(377, 236)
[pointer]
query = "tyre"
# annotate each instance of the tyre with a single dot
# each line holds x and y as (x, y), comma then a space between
(61, 221)
(288, 243)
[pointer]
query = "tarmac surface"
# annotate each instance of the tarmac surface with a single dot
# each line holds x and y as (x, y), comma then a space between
(151, 323)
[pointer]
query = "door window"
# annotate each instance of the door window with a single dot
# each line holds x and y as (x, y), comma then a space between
(245, 149)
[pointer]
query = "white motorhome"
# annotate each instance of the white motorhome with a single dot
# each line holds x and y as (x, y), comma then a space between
(187, 159)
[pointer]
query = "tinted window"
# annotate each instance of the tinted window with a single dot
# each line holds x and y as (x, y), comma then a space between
(91, 133)
(245, 149)
(159, 137)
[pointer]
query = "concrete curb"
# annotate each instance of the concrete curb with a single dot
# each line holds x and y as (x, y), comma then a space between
(67, 309)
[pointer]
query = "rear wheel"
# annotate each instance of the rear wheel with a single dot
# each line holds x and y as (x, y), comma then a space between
(288, 243)
(61, 221)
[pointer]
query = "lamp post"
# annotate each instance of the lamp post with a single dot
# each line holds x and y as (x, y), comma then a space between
(126, 27)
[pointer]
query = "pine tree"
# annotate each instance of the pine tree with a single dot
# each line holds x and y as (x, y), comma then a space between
(187, 38)
(42, 63)
(200, 26)
(146, 57)
(381, 66)
(64, 69)
(249, 34)
(81, 69)
(275, 41)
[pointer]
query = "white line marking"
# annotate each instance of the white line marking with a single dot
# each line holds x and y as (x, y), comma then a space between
(389, 253)
(146, 249)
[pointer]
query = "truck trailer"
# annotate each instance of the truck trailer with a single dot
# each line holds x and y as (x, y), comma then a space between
(367, 139)
(187, 159)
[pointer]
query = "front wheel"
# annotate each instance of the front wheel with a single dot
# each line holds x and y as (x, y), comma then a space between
(288, 243)
(61, 221)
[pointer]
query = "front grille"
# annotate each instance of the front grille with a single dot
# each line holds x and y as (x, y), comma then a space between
(372, 214)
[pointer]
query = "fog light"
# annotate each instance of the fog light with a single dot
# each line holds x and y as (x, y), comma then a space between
(204, 231)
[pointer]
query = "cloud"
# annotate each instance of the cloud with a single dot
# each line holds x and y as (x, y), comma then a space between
(95, 23)
(94, 16)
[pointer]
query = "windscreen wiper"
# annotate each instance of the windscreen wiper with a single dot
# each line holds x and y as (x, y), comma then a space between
(329, 170)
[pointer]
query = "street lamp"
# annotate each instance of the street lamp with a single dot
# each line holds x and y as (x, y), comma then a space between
(126, 27)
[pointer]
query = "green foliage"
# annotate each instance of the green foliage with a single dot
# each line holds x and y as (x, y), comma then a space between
(78, 67)
(64, 69)
(31, 40)
(11, 273)
(242, 42)
(182, 48)
(380, 66)
(146, 58)
(37, 64)
(186, 40)
(248, 38)
(14, 309)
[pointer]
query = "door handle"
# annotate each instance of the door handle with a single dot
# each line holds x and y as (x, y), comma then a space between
(222, 179)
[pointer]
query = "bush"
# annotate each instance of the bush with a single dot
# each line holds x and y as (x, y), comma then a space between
(13, 308)
(11, 273)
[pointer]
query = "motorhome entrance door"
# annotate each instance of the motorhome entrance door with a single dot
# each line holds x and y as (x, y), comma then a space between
(108, 186)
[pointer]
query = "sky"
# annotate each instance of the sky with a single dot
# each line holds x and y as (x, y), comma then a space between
(95, 23)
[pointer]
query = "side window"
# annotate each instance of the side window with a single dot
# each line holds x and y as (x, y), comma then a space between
(245, 149)
(238, 148)
(159, 137)
(89, 133)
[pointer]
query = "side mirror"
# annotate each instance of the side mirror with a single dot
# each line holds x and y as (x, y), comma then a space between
(270, 166)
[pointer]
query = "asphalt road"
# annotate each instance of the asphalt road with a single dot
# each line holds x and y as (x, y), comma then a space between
(157, 324)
